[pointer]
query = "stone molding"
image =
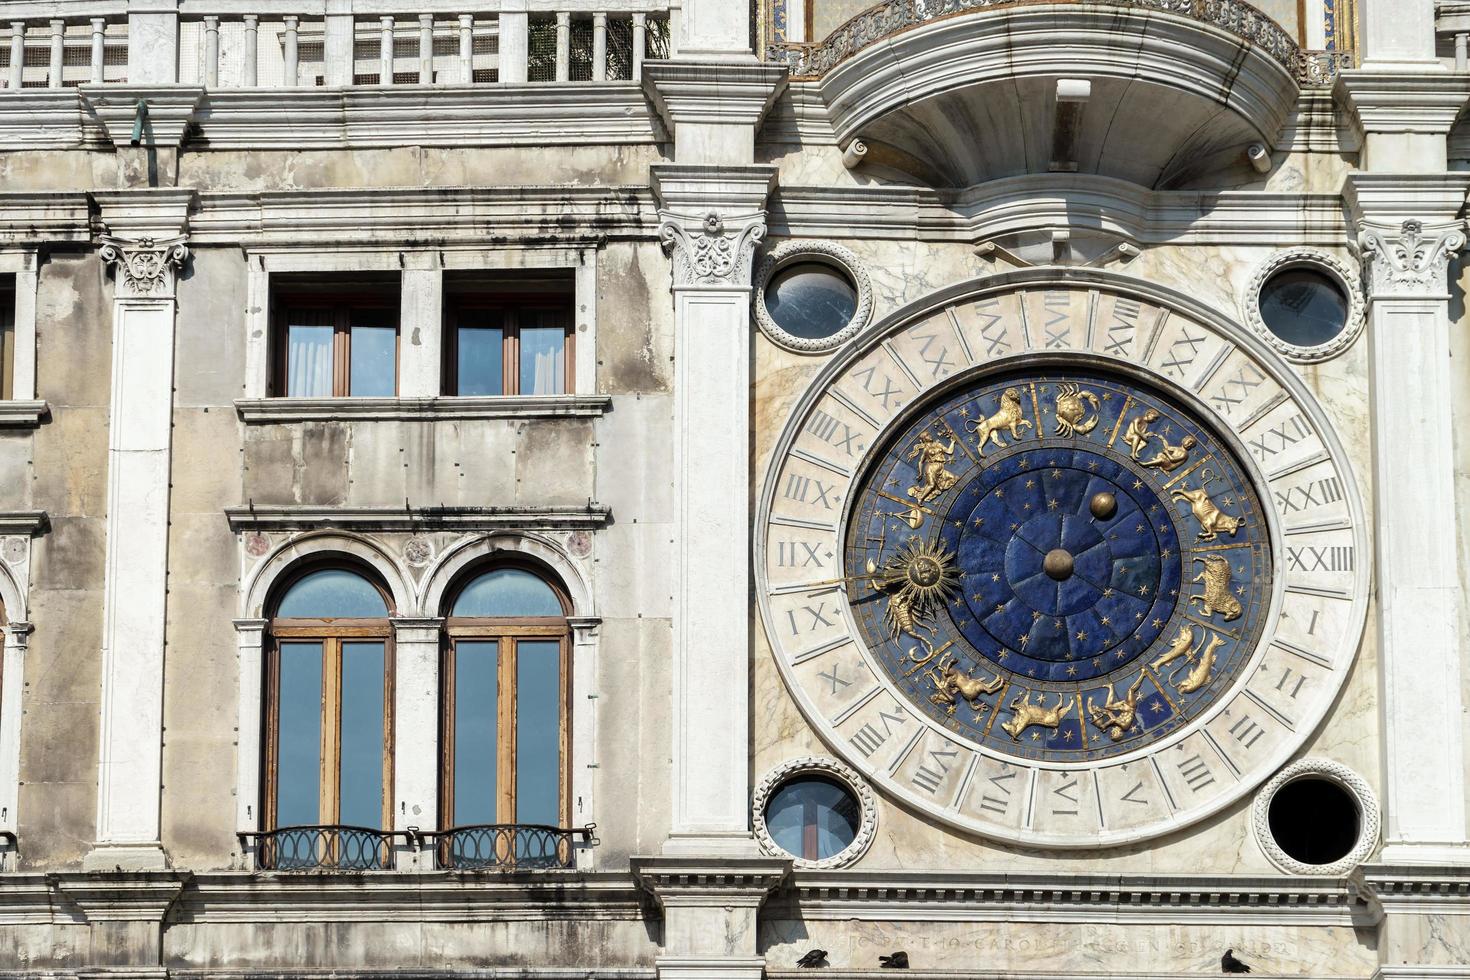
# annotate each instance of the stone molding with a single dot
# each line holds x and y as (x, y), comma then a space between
(265, 518)
(724, 93)
(1312, 258)
(1356, 786)
(280, 410)
(828, 769)
(829, 253)
(23, 414)
(710, 882)
(24, 522)
(1402, 102)
(145, 266)
(121, 897)
(170, 110)
(29, 217)
(1411, 260)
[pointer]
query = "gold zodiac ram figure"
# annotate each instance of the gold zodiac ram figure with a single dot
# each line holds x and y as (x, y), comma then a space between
(1010, 418)
(1217, 598)
(1072, 412)
(951, 684)
(1211, 520)
(1025, 714)
(1117, 717)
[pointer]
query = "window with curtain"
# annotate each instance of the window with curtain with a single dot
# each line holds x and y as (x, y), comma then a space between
(338, 346)
(329, 695)
(504, 700)
(513, 345)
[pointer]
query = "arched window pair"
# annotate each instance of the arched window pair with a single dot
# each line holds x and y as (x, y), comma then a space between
(329, 723)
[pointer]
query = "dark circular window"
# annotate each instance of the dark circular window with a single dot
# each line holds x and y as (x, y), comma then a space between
(811, 300)
(1315, 821)
(1304, 307)
(813, 819)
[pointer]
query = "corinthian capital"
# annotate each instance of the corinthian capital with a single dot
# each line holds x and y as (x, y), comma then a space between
(711, 249)
(145, 266)
(1410, 260)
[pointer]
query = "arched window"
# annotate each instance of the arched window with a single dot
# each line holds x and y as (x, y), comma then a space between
(328, 719)
(505, 678)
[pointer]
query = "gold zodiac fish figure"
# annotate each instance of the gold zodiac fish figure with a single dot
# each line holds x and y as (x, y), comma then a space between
(1212, 520)
(1071, 406)
(1180, 646)
(1202, 659)
(1117, 717)
(1009, 418)
(1024, 714)
(1215, 577)
(951, 684)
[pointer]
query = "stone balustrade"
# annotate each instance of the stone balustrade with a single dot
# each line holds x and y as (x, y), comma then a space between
(331, 43)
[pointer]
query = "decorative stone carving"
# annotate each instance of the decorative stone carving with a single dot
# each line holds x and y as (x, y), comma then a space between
(1410, 261)
(709, 250)
(830, 253)
(1352, 783)
(145, 266)
(825, 768)
(1313, 258)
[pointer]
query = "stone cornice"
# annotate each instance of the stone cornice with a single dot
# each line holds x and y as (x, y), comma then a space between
(170, 108)
(156, 213)
(307, 517)
(123, 896)
(24, 522)
(38, 217)
(1416, 887)
(696, 881)
(1402, 102)
(22, 414)
(712, 93)
(282, 410)
(1394, 198)
(698, 189)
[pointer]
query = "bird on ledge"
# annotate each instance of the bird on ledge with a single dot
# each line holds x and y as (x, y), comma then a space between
(894, 961)
(1229, 964)
(813, 958)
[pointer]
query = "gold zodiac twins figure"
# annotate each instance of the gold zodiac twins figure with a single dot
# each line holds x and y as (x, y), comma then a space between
(1168, 458)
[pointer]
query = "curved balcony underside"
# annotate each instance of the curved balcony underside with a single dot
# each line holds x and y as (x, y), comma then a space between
(973, 96)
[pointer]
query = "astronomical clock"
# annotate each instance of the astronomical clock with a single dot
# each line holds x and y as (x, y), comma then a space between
(1061, 561)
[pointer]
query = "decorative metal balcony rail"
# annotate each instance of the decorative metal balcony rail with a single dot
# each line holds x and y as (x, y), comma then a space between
(894, 16)
(278, 44)
(478, 847)
(510, 847)
(331, 847)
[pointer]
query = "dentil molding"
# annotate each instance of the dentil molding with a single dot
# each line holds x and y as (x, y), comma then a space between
(1410, 260)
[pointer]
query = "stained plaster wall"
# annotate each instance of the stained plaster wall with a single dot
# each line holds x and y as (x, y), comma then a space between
(906, 270)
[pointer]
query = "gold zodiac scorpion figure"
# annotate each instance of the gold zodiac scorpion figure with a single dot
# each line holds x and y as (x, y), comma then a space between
(1168, 458)
(917, 579)
(1009, 418)
(1071, 405)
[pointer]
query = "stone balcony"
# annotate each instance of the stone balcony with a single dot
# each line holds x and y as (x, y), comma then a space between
(1162, 93)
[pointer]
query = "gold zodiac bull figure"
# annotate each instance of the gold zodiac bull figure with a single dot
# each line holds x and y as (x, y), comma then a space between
(951, 684)
(1212, 520)
(1009, 418)
(1027, 714)
(1217, 598)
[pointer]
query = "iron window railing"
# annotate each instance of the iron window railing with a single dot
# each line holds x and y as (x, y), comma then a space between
(327, 847)
(479, 847)
(511, 847)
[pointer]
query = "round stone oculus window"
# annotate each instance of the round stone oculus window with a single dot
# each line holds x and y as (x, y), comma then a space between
(1316, 817)
(814, 810)
(1305, 304)
(811, 296)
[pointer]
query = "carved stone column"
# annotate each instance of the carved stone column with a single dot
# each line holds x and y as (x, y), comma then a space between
(712, 220)
(1406, 260)
(416, 734)
(145, 245)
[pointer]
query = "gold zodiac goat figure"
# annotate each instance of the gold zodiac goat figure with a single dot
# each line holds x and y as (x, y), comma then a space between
(1009, 418)
(952, 684)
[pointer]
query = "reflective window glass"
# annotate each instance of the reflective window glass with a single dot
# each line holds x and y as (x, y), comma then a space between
(1304, 307)
(813, 818)
(543, 353)
(332, 593)
(538, 732)
(374, 347)
(299, 738)
(507, 592)
(476, 696)
(481, 361)
(361, 774)
(811, 300)
(309, 354)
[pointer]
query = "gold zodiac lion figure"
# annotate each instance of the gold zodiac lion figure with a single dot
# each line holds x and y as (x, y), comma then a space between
(1212, 520)
(1009, 418)
(1217, 598)
(951, 684)
(1025, 714)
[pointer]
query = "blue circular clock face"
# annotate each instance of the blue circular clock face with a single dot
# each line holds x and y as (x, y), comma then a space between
(1060, 565)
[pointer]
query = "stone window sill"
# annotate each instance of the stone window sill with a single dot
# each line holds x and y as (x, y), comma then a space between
(257, 411)
(16, 414)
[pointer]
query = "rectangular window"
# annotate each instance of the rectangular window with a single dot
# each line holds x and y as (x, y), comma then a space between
(509, 342)
(332, 343)
(7, 339)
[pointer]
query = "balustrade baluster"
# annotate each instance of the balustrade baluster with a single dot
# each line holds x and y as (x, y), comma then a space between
(599, 46)
(640, 41)
(293, 62)
(252, 51)
(467, 48)
(58, 51)
(563, 46)
(385, 50)
(17, 53)
(426, 49)
(99, 49)
(211, 52)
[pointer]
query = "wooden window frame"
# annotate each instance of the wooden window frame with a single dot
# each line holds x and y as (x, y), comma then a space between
(332, 634)
(506, 632)
(510, 306)
(341, 307)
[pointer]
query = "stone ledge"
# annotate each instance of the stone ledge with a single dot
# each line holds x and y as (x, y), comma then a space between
(28, 522)
(306, 518)
(257, 411)
(22, 415)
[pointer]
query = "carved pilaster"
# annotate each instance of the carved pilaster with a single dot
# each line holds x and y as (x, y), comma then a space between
(1411, 259)
(145, 266)
(712, 250)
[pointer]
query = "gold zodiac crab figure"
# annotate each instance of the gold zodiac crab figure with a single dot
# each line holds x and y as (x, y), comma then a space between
(918, 579)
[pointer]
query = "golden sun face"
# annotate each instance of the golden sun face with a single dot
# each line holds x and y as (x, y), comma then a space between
(922, 574)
